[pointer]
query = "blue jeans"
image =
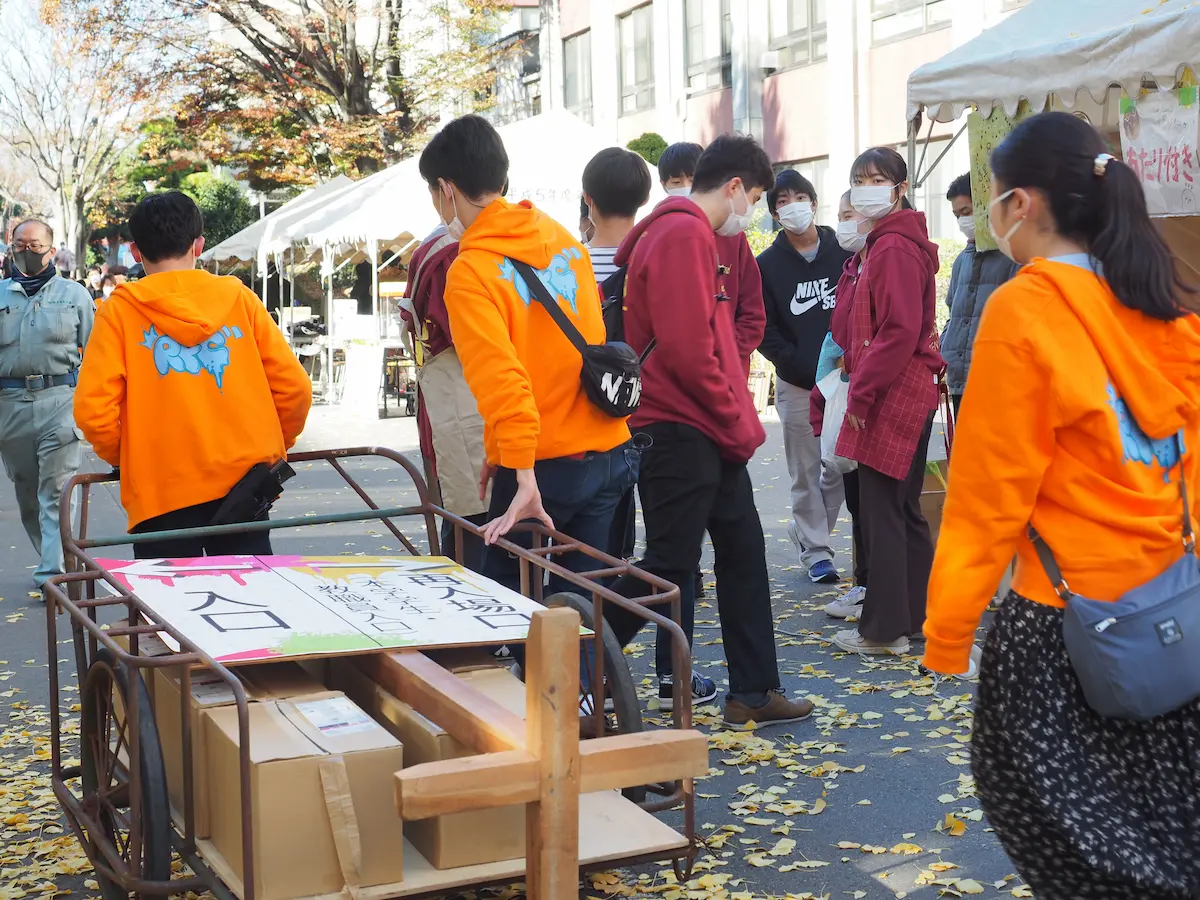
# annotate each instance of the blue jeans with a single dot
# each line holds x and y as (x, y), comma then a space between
(580, 496)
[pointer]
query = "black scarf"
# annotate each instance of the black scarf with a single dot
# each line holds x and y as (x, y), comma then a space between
(33, 283)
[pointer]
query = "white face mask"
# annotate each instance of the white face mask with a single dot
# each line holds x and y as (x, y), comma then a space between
(966, 224)
(796, 217)
(679, 192)
(849, 238)
(737, 222)
(454, 227)
(873, 200)
(1004, 241)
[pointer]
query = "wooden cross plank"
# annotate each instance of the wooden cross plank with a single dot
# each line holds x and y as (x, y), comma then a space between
(605, 764)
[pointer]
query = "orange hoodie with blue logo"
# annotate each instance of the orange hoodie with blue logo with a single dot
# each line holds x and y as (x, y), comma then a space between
(187, 383)
(523, 371)
(1069, 423)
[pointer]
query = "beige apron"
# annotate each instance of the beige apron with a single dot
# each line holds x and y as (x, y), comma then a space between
(457, 430)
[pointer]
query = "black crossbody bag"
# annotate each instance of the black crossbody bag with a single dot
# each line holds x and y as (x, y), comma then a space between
(611, 373)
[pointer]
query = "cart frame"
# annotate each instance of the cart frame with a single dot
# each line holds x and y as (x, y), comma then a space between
(75, 594)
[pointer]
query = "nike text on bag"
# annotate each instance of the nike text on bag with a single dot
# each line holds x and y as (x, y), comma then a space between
(611, 373)
(1139, 656)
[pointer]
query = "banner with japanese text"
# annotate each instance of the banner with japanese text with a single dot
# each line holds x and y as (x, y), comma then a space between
(1158, 142)
(259, 608)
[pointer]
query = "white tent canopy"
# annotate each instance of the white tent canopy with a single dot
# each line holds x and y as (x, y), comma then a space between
(1074, 50)
(244, 245)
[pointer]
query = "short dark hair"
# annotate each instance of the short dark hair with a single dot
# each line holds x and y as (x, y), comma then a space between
(469, 153)
(20, 225)
(679, 161)
(164, 226)
(584, 212)
(790, 180)
(884, 160)
(959, 187)
(733, 156)
(617, 181)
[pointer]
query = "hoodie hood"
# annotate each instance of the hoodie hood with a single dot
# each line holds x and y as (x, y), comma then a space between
(909, 224)
(516, 230)
(665, 207)
(1153, 365)
(189, 306)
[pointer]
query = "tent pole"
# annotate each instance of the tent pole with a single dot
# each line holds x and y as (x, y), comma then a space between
(375, 287)
(914, 127)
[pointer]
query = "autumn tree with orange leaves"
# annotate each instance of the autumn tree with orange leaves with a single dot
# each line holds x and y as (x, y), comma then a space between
(73, 93)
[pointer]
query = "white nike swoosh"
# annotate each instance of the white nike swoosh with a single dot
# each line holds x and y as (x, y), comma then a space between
(799, 309)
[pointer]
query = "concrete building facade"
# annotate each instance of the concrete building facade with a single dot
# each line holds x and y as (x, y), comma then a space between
(816, 81)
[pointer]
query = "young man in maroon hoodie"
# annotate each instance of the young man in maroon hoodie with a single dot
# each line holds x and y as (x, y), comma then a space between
(697, 410)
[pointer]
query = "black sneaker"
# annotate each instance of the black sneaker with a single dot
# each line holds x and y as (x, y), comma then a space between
(704, 690)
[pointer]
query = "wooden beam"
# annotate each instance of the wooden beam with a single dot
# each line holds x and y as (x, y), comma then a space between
(629, 760)
(472, 782)
(501, 779)
(552, 735)
(442, 697)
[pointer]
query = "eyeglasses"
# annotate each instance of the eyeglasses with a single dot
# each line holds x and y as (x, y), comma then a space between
(36, 248)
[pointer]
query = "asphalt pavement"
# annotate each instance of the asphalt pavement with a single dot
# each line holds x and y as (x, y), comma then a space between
(871, 798)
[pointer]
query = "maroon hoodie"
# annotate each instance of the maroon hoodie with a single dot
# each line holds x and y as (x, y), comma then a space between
(889, 332)
(696, 375)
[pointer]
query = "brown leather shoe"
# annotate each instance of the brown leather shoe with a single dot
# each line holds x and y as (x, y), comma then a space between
(779, 710)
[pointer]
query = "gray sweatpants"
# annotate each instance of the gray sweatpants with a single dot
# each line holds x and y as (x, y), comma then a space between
(817, 490)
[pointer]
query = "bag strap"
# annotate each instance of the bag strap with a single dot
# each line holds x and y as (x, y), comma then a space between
(440, 244)
(1054, 571)
(625, 290)
(539, 290)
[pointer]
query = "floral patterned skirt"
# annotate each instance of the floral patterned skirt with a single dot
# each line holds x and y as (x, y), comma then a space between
(1086, 807)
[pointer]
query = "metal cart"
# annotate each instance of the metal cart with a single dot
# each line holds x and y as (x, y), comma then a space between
(116, 799)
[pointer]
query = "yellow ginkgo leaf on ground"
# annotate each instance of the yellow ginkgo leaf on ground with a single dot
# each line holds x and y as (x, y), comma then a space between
(818, 807)
(803, 864)
(969, 886)
(759, 861)
(784, 847)
(1022, 892)
(906, 850)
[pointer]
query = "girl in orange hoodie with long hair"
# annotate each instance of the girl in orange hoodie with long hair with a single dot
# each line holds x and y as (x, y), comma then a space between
(1086, 368)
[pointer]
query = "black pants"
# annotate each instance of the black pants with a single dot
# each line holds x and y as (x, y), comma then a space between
(687, 488)
(956, 402)
(900, 549)
(253, 543)
(622, 534)
(862, 558)
(472, 543)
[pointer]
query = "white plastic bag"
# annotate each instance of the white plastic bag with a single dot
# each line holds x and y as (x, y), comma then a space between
(835, 392)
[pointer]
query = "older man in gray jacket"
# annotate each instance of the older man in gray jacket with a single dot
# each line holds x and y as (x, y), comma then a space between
(976, 274)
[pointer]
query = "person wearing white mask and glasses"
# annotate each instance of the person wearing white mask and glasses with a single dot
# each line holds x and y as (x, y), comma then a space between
(975, 276)
(800, 273)
(888, 329)
(701, 424)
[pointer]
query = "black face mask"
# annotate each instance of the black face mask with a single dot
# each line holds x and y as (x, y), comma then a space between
(30, 263)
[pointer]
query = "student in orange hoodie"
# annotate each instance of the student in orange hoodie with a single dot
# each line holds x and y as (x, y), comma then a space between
(554, 455)
(187, 384)
(1085, 369)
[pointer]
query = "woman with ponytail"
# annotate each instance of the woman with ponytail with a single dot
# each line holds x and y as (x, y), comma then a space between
(1086, 369)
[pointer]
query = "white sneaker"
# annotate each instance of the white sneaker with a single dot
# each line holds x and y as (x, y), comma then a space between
(853, 642)
(972, 673)
(847, 605)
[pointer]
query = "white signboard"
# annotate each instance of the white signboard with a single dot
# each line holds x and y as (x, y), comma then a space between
(251, 609)
(1158, 142)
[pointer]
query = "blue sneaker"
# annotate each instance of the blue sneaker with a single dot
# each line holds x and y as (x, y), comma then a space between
(704, 690)
(823, 572)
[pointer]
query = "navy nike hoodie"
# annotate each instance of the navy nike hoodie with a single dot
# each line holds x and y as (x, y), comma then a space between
(799, 296)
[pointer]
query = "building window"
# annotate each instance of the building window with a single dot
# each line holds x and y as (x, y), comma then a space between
(708, 35)
(577, 75)
(893, 19)
(637, 59)
(798, 31)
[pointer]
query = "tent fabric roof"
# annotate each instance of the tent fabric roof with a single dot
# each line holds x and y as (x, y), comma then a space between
(1062, 48)
(244, 245)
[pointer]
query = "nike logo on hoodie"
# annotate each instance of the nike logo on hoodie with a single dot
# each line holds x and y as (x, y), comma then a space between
(810, 293)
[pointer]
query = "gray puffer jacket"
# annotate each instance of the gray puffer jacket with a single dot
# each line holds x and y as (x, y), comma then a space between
(972, 280)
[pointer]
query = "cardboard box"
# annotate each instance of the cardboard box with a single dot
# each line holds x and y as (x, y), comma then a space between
(272, 681)
(463, 839)
(323, 813)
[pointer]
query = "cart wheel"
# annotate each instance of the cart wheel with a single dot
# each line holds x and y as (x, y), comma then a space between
(104, 755)
(618, 682)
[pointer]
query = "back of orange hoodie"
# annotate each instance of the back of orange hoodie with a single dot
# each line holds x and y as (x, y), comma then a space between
(187, 383)
(523, 371)
(1068, 422)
